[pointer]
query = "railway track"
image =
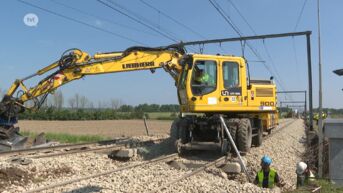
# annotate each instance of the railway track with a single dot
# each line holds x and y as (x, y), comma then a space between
(67, 149)
(156, 160)
(84, 147)
(280, 128)
(53, 148)
(59, 184)
(166, 158)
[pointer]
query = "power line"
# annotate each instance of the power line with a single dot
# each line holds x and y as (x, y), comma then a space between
(150, 22)
(301, 13)
(137, 20)
(278, 79)
(79, 22)
(172, 19)
(295, 28)
(281, 83)
(295, 58)
(97, 17)
(242, 16)
(235, 28)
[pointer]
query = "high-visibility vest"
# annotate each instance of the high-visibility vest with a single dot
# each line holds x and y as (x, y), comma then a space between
(271, 178)
(204, 78)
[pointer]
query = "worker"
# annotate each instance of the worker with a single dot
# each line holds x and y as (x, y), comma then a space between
(304, 174)
(202, 77)
(267, 177)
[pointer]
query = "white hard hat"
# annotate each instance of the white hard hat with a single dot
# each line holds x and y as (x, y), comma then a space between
(301, 167)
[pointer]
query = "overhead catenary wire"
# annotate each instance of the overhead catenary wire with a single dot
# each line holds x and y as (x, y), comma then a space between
(235, 28)
(300, 15)
(278, 77)
(172, 19)
(80, 22)
(177, 22)
(144, 19)
(137, 20)
(98, 17)
(242, 16)
(295, 28)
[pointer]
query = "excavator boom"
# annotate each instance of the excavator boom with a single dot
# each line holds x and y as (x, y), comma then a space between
(73, 65)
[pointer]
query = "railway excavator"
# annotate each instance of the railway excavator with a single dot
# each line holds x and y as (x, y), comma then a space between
(207, 86)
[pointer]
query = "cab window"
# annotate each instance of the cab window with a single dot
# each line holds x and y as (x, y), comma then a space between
(230, 74)
(204, 77)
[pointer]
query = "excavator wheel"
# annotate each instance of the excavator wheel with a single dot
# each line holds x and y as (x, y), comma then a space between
(174, 130)
(183, 137)
(225, 147)
(257, 140)
(244, 136)
(174, 133)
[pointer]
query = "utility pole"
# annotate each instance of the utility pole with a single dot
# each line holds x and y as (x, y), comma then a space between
(320, 120)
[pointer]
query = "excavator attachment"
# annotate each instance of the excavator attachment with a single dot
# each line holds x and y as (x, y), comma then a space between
(10, 139)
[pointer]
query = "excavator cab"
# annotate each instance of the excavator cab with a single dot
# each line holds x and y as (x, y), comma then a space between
(212, 82)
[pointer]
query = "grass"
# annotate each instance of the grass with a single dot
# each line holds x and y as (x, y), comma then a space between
(66, 138)
(160, 115)
(326, 187)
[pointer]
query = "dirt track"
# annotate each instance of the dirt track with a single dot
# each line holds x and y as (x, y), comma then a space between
(108, 128)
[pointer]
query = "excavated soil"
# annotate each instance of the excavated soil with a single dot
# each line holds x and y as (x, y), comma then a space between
(15, 176)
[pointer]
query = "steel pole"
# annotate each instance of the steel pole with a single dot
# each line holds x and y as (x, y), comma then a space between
(305, 105)
(309, 68)
(320, 111)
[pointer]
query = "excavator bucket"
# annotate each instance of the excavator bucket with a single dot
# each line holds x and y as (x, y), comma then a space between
(10, 138)
(15, 142)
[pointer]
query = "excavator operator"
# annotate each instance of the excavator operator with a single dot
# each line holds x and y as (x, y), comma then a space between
(202, 77)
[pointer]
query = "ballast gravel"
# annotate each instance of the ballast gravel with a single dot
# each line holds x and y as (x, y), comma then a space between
(284, 148)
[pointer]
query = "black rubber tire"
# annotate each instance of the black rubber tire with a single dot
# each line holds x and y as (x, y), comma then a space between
(225, 147)
(232, 124)
(183, 131)
(174, 134)
(257, 140)
(244, 136)
(174, 130)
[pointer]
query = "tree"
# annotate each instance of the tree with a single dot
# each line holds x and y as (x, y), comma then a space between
(116, 103)
(72, 102)
(77, 100)
(57, 99)
(83, 102)
(126, 108)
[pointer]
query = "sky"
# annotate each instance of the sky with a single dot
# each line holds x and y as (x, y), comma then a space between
(25, 49)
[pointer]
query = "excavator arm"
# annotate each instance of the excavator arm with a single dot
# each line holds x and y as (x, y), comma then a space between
(75, 64)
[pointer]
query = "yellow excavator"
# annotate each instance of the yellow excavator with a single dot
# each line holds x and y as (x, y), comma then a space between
(207, 85)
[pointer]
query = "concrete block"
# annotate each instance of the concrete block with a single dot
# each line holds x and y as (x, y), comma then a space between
(123, 154)
(177, 165)
(232, 167)
(237, 161)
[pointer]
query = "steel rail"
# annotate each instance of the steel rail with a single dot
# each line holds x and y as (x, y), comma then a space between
(159, 159)
(189, 174)
(96, 149)
(34, 149)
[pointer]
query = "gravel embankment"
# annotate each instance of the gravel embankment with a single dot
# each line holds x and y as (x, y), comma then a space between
(284, 148)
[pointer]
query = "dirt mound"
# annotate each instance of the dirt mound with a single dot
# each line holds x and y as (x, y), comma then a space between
(13, 175)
